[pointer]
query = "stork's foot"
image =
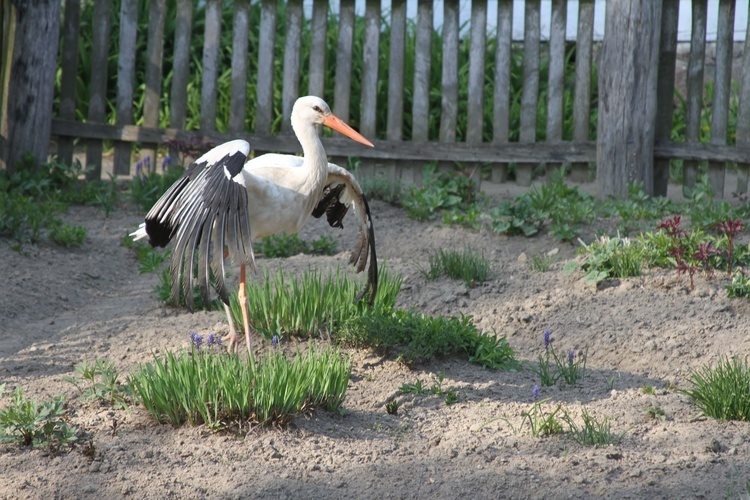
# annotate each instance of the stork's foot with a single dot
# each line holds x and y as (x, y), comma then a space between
(230, 341)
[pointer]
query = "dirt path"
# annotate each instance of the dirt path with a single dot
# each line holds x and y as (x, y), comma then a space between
(58, 308)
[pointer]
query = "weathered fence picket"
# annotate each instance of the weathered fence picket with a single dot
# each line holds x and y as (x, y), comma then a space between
(293, 40)
(125, 81)
(530, 93)
(69, 74)
(240, 42)
(694, 82)
(154, 58)
(582, 95)
(502, 100)
(665, 89)
(266, 41)
(742, 133)
(319, 36)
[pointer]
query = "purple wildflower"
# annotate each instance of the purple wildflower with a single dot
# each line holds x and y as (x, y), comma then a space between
(275, 341)
(546, 340)
(211, 340)
(536, 392)
(196, 339)
(572, 355)
(165, 163)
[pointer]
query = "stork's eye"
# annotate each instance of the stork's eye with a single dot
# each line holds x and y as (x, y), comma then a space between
(317, 109)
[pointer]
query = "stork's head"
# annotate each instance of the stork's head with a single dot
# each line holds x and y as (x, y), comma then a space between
(314, 110)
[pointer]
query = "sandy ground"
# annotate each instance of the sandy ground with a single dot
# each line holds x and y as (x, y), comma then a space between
(58, 308)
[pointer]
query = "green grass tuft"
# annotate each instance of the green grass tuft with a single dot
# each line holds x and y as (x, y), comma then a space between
(468, 266)
(723, 391)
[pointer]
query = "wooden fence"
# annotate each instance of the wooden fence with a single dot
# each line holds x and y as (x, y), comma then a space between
(398, 155)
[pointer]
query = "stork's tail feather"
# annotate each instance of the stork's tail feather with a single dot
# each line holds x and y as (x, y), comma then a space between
(139, 233)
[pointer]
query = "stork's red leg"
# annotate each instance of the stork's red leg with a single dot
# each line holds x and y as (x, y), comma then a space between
(243, 304)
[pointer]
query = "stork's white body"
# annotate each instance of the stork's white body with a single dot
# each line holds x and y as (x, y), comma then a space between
(207, 208)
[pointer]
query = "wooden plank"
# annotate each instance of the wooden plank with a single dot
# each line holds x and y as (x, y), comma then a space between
(422, 57)
(69, 74)
(722, 91)
(501, 104)
(395, 119)
(582, 95)
(240, 42)
(449, 86)
(125, 80)
(342, 88)
(98, 83)
(627, 96)
(153, 77)
(561, 152)
(694, 84)
(530, 92)
(369, 98)
(292, 41)
(319, 26)
(383, 150)
(7, 39)
(211, 45)
(742, 133)
(266, 39)
(556, 76)
(665, 89)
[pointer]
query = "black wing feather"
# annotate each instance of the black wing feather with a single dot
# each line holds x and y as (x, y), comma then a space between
(210, 196)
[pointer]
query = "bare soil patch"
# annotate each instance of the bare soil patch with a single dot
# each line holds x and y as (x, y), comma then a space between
(60, 307)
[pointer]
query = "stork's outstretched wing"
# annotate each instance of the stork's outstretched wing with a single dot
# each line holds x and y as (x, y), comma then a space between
(342, 192)
(205, 208)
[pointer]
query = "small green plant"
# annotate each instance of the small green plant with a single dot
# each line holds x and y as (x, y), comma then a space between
(208, 386)
(443, 191)
(593, 431)
(648, 389)
(392, 406)
(609, 258)
(740, 285)
(540, 422)
(656, 412)
(67, 235)
(99, 381)
(467, 266)
(723, 391)
(33, 423)
(552, 367)
(284, 245)
(540, 262)
(418, 389)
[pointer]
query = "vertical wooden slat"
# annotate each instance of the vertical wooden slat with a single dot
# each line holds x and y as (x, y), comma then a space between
(266, 40)
(449, 84)
(319, 25)
(125, 80)
(369, 102)
(665, 89)
(722, 83)
(153, 77)
(7, 39)
(422, 48)
(501, 97)
(694, 83)
(556, 76)
(290, 85)
(342, 89)
(742, 132)
(530, 92)
(240, 38)
(582, 95)
(475, 108)
(394, 125)
(211, 41)
(98, 84)
(181, 69)
(69, 70)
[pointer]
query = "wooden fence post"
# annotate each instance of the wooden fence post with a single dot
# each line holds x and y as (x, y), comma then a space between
(627, 96)
(32, 80)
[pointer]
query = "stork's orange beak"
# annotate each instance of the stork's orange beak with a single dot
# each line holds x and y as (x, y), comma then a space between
(338, 125)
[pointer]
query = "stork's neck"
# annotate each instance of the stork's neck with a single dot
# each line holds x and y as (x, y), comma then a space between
(315, 159)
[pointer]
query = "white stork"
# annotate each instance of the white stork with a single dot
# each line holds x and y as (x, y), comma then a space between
(223, 202)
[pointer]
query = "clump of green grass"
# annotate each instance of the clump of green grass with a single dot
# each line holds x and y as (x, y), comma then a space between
(541, 422)
(540, 262)
(284, 245)
(416, 338)
(570, 368)
(723, 391)
(30, 422)
(208, 386)
(470, 267)
(418, 389)
(593, 431)
(311, 304)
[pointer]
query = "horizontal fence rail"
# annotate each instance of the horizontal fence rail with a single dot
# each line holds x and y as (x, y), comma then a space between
(457, 94)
